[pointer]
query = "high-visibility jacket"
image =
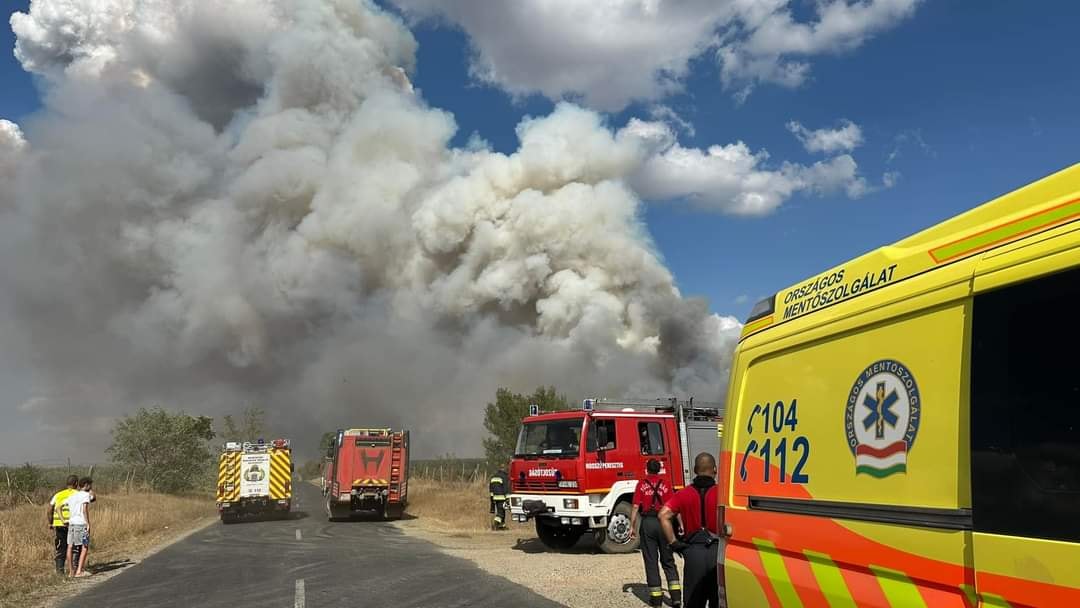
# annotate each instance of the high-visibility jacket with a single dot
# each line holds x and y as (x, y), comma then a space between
(60, 513)
(499, 486)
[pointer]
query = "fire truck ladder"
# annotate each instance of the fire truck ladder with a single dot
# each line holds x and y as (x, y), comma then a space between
(687, 409)
(395, 466)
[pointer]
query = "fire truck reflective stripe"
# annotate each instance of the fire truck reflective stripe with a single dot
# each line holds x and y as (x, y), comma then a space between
(231, 476)
(370, 482)
(898, 588)
(829, 580)
(777, 574)
(280, 474)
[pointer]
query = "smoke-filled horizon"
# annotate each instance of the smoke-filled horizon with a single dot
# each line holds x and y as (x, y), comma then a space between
(245, 202)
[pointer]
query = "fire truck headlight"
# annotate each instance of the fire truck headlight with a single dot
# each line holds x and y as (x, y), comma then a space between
(515, 501)
(570, 503)
(595, 499)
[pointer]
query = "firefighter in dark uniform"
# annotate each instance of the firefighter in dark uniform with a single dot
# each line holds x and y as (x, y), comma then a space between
(696, 505)
(651, 494)
(499, 488)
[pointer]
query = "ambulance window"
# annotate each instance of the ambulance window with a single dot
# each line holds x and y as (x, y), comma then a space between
(651, 438)
(601, 430)
(1025, 410)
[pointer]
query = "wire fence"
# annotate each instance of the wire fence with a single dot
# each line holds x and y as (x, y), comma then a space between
(467, 470)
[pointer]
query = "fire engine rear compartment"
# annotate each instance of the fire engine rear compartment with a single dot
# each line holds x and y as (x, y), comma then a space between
(367, 473)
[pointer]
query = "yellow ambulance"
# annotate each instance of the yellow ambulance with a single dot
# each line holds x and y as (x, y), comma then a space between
(903, 430)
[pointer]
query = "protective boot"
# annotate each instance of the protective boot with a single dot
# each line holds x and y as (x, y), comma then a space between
(675, 591)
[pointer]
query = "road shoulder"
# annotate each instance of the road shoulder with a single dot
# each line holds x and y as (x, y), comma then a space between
(135, 553)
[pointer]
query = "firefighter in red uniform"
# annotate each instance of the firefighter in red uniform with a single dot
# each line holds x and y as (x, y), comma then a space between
(651, 494)
(696, 505)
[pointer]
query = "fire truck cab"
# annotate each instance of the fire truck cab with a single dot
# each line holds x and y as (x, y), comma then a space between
(575, 471)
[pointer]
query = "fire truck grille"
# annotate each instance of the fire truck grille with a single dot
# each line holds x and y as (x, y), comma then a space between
(535, 485)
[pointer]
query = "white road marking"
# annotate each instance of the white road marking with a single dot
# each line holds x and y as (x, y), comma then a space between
(298, 536)
(299, 603)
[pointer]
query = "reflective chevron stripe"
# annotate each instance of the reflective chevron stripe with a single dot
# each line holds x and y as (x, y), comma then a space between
(280, 474)
(778, 574)
(898, 588)
(829, 579)
(370, 482)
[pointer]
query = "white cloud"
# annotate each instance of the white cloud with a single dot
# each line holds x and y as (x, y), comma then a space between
(608, 53)
(907, 139)
(669, 115)
(772, 46)
(731, 178)
(845, 138)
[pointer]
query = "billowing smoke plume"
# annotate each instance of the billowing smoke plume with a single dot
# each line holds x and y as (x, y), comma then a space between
(244, 201)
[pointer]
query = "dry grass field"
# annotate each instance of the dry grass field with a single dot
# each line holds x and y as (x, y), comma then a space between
(121, 526)
(450, 506)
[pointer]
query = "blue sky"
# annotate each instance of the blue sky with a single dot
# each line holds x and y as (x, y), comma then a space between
(972, 99)
(989, 87)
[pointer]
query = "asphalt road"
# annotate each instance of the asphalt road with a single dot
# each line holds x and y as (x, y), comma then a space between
(305, 562)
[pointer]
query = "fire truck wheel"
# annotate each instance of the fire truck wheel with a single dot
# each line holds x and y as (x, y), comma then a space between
(393, 512)
(334, 512)
(229, 518)
(556, 537)
(615, 538)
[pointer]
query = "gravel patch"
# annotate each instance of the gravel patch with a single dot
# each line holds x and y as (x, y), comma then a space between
(580, 578)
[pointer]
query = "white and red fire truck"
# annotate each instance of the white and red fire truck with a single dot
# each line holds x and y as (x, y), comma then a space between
(575, 471)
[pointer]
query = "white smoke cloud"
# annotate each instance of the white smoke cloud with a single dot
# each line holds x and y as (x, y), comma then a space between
(12, 151)
(609, 53)
(244, 202)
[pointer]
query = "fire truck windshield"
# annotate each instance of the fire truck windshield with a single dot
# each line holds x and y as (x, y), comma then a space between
(550, 438)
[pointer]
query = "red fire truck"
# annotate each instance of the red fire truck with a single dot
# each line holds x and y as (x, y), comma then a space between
(575, 471)
(367, 471)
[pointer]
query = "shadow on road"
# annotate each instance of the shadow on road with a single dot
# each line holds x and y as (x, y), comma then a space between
(254, 518)
(532, 546)
(116, 564)
(372, 518)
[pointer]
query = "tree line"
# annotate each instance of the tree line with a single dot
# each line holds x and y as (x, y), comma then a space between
(170, 451)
